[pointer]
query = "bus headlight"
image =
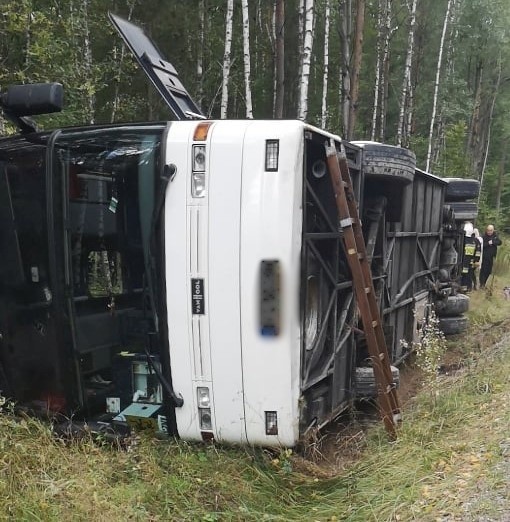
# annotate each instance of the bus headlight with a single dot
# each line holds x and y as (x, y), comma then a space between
(198, 185)
(198, 158)
(198, 174)
(204, 408)
(205, 419)
(203, 398)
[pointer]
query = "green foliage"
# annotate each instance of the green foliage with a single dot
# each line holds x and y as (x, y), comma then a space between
(453, 162)
(44, 40)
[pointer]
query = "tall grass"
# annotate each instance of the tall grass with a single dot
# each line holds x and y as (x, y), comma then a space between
(447, 463)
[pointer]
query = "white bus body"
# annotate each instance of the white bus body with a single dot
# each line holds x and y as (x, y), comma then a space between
(215, 245)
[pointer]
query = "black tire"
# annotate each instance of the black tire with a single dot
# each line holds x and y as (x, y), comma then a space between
(459, 189)
(316, 303)
(388, 161)
(453, 325)
(453, 305)
(464, 210)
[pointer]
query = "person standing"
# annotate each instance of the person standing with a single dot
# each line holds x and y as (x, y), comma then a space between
(471, 257)
(476, 269)
(491, 242)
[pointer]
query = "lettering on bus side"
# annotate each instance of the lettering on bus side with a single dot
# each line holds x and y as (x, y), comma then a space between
(197, 296)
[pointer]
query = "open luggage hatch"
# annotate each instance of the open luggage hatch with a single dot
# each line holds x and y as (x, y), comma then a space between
(161, 73)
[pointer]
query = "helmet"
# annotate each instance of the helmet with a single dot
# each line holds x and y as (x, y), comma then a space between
(468, 229)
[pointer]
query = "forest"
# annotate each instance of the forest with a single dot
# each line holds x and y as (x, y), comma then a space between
(431, 76)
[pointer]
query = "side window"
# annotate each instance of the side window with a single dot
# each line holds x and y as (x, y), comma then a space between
(95, 227)
(25, 177)
(105, 175)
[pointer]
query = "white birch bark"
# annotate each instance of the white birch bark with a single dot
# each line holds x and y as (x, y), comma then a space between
(301, 39)
(87, 51)
(246, 57)
(28, 39)
(377, 83)
(324, 109)
(385, 66)
(436, 84)
(279, 54)
(307, 58)
(200, 55)
(406, 86)
(227, 59)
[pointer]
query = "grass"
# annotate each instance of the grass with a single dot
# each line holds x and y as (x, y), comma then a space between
(451, 459)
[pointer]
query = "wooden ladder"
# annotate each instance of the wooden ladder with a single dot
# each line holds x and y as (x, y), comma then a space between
(363, 286)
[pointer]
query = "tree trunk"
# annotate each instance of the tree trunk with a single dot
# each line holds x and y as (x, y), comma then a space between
(200, 54)
(345, 12)
(501, 175)
(484, 153)
(356, 68)
(473, 133)
(279, 57)
(324, 110)
(436, 84)
(402, 137)
(301, 43)
(226, 59)
(28, 37)
(306, 62)
(246, 58)
(385, 72)
(378, 69)
(87, 56)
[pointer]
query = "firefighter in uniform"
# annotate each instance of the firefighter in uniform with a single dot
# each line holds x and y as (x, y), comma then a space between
(471, 257)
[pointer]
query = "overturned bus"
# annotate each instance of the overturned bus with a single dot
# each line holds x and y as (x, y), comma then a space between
(190, 276)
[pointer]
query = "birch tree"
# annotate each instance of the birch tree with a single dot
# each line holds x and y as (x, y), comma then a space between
(300, 42)
(246, 58)
(306, 61)
(279, 17)
(324, 109)
(227, 59)
(385, 69)
(200, 53)
(378, 66)
(90, 88)
(406, 97)
(344, 83)
(436, 84)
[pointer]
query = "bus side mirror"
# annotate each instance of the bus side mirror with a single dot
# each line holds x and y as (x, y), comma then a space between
(32, 99)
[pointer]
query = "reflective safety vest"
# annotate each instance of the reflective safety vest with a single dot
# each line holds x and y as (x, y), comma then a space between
(472, 252)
